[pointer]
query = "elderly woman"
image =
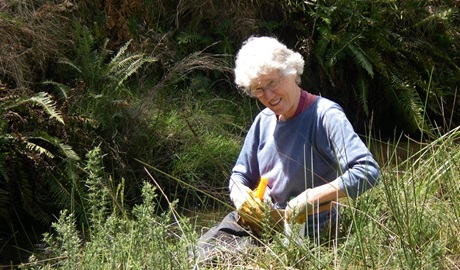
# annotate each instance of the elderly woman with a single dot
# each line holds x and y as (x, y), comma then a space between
(302, 143)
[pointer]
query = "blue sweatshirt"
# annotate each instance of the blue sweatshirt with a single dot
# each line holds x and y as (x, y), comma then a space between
(316, 147)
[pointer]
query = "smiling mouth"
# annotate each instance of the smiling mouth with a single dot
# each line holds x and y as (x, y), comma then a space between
(276, 102)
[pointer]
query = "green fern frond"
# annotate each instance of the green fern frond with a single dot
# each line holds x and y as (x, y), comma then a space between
(339, 49)
(188, 37)
(69, 63)
(37, 148)
(66, 150)
(121, 53)
(45, 101)
(121, 70)
(63, 89)
(408, 101)
(5, 203)
(418, 108)
(64, 183)
(123, 65)
(59, 190)
(360, 57)
(102, 78)
(323, 42)
(377, 61)
(363, 89)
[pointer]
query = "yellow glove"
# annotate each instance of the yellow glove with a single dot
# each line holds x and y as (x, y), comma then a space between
(252, 210)
(298, 208)
(248, 206)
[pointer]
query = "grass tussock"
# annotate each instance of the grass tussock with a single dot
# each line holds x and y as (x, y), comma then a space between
(31, 36)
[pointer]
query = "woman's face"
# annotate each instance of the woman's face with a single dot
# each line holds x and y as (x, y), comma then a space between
(280, 94)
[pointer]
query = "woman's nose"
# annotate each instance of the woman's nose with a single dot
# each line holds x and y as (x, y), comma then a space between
(268, 94)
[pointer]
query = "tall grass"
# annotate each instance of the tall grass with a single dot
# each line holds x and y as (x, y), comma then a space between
(409, 221)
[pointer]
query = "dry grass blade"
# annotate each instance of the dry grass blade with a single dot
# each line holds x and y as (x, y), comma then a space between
(30, 37)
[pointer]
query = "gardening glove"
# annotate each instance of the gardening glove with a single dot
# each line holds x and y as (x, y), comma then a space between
(252, 210)
(298, 208)
(248, 206)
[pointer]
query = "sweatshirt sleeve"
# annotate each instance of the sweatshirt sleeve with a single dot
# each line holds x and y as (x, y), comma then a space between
(246, 169)
(358, 170)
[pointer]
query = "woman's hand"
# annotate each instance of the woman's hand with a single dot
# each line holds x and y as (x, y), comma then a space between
(248, 206)
(253, 212)
(298, 208)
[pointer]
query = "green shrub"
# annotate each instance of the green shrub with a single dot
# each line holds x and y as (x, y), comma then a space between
(116, 237)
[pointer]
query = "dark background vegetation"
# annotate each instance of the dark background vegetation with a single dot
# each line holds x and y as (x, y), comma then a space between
(150, 82)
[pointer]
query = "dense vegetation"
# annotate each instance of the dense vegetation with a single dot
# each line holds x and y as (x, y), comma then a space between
(106, 105)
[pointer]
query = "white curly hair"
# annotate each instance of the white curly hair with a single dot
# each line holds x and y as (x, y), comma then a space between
(261, 55)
